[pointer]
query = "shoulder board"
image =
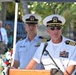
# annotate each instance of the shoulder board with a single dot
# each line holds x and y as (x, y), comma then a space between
(22, 38)
(68, 42)
(44, 39)
(41, 37)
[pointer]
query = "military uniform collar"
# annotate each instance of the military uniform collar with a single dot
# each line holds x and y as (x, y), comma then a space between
(35, 38)
(63, 38)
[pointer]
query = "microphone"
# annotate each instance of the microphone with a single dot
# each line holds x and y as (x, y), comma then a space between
(61, 73)
(52, 59)
(44, 49)
(57, 71)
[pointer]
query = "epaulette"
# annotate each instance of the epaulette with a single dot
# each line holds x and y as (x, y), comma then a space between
(22, 38)
(44, 39)
(68, 42)
(41, 37)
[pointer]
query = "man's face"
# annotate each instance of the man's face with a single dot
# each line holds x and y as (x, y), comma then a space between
(31, 28)
(54, 31)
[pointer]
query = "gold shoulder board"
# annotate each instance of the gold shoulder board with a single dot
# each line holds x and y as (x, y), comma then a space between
(45, 39)
(70, 42)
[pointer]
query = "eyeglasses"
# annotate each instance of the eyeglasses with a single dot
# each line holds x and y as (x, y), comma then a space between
(55, 27)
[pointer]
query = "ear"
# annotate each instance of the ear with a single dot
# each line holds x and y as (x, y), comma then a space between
(47, 30)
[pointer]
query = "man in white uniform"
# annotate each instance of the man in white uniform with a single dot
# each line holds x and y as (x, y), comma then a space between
(26, 48)
(3, 39)
(60, 52)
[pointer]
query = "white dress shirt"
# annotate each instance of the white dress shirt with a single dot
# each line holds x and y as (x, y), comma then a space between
(4, 35)
(63, 61)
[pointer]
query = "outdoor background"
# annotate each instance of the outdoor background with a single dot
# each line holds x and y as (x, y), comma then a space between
(66, 9)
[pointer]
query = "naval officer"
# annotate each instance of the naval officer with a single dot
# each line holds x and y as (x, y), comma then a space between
(60, 52)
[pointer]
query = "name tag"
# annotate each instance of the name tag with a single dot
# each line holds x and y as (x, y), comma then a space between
(22, 46)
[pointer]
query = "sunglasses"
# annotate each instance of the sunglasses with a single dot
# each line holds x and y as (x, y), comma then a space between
(55, 27)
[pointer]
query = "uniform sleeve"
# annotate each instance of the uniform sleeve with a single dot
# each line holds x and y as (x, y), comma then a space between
(73, 58)
(16, 54)
(5, 36)
(38, 53)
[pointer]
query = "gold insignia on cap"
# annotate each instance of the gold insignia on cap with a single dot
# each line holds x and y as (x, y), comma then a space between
(32, 18)
(55, 19)
(70, 42)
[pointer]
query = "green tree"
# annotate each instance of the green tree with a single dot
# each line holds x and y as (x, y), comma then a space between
(44, 9)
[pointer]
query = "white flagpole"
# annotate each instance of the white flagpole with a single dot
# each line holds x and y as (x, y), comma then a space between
(15, 28)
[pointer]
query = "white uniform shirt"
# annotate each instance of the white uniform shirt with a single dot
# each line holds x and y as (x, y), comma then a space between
(63, 61)
(25, 51)
(4, 35)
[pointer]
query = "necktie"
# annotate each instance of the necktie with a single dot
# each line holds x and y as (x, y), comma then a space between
(0, 36)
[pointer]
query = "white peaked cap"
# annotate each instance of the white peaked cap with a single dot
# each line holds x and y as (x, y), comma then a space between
(50, 17)
(28, 16)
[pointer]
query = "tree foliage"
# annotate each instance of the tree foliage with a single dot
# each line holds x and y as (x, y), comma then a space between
(68, 10)
(46, 8)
